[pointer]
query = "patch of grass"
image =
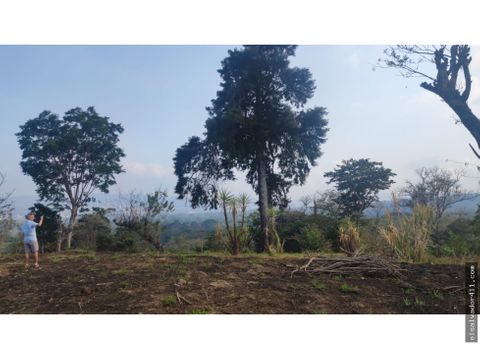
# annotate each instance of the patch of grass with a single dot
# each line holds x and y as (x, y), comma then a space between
(121, 271)
(348, 288)
(104, 272)
(199, 311)
(318, 285)
(409, 291)
(92, 267)
(338, 277)
(124, 285)
(169, 300)
(407, 301)
(55, 258)
(419, 302)
(436, 294)
(256, 260)
(179, 269)
(320, 311)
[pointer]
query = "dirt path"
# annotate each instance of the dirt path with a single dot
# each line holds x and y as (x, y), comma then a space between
(145, 283)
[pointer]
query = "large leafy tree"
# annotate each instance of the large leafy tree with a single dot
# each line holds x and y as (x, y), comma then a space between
(69, 158)
(358, 183)
(257, 124)
(446, 71)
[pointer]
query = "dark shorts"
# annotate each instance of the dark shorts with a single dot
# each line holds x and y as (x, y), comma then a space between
(31, 247)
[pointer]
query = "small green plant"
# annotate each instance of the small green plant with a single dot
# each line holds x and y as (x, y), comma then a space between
(436, 294)
(56, 258)
(320, 311)
(169, 300)
(348, 288)
(124, 285)
(419, 302)
(409, 291)
(121, 271)
(407, 301)
(318, 285)
(199, 311)
(338, 277)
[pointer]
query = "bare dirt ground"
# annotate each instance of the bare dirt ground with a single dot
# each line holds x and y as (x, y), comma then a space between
(195, 284)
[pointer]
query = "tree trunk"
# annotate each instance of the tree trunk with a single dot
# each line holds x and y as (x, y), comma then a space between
(235, 245)
(263, 202)
(468, 119)
(71, 224)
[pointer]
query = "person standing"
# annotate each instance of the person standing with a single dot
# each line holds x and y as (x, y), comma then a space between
(30, 238)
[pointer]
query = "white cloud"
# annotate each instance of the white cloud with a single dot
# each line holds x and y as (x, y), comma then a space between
(155, 170)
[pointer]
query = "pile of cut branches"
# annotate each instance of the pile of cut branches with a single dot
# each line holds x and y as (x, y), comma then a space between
(364, 264)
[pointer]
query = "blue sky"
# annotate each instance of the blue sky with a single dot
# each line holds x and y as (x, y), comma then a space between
(159, 95)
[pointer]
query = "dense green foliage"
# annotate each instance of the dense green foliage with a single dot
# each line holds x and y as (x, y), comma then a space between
(94, 232)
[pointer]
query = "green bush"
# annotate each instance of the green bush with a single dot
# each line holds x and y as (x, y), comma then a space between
(301, 232)
(459, 238)
(93, 232)
(311, 238)
(126, 240)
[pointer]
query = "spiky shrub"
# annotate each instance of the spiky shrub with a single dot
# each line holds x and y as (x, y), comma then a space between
(234, 212)
(408, 235)
(349, 236)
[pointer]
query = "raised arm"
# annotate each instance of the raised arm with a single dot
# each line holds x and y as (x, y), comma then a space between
(41, 221)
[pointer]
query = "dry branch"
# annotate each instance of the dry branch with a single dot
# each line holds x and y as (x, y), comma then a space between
(180, 298)
(352, 265)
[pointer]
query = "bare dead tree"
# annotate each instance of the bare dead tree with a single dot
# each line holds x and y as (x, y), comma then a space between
(306, 201)
(452, 81)
(140, 214)
(438, 188)
(6, 208)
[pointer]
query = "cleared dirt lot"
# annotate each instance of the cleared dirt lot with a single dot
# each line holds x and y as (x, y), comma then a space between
(189, 284)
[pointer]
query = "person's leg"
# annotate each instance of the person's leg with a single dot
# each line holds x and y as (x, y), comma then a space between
(27, 254)
(35, 252)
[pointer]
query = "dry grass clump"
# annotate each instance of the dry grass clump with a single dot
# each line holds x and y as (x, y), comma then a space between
(408, 235)
(349, 237)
